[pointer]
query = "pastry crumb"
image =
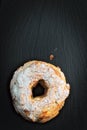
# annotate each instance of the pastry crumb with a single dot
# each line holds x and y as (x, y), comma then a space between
(51, 57)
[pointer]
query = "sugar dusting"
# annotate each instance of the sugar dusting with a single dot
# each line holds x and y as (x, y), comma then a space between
(20, 90)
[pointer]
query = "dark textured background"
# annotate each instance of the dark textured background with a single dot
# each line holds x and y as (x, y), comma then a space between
(33, 29)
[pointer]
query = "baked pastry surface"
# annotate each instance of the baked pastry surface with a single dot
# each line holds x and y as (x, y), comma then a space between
(40, 108)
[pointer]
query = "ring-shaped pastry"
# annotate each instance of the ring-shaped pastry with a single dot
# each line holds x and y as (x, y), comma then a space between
(40, 108)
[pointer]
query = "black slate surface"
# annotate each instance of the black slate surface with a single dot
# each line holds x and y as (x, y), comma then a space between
(33, 29)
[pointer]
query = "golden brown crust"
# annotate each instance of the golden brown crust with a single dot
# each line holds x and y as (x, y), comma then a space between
(48, 115)
(56, 69)
(51, 110)
(26, 112)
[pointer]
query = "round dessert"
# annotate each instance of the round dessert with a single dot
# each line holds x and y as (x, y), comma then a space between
(44, 107)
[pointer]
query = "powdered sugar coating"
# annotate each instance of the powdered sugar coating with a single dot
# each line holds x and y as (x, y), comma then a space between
(21, 91)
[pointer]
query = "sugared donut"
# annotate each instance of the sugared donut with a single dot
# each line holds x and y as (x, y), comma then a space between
(40, 108)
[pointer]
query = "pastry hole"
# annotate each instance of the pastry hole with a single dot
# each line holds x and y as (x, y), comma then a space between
(40, 89)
